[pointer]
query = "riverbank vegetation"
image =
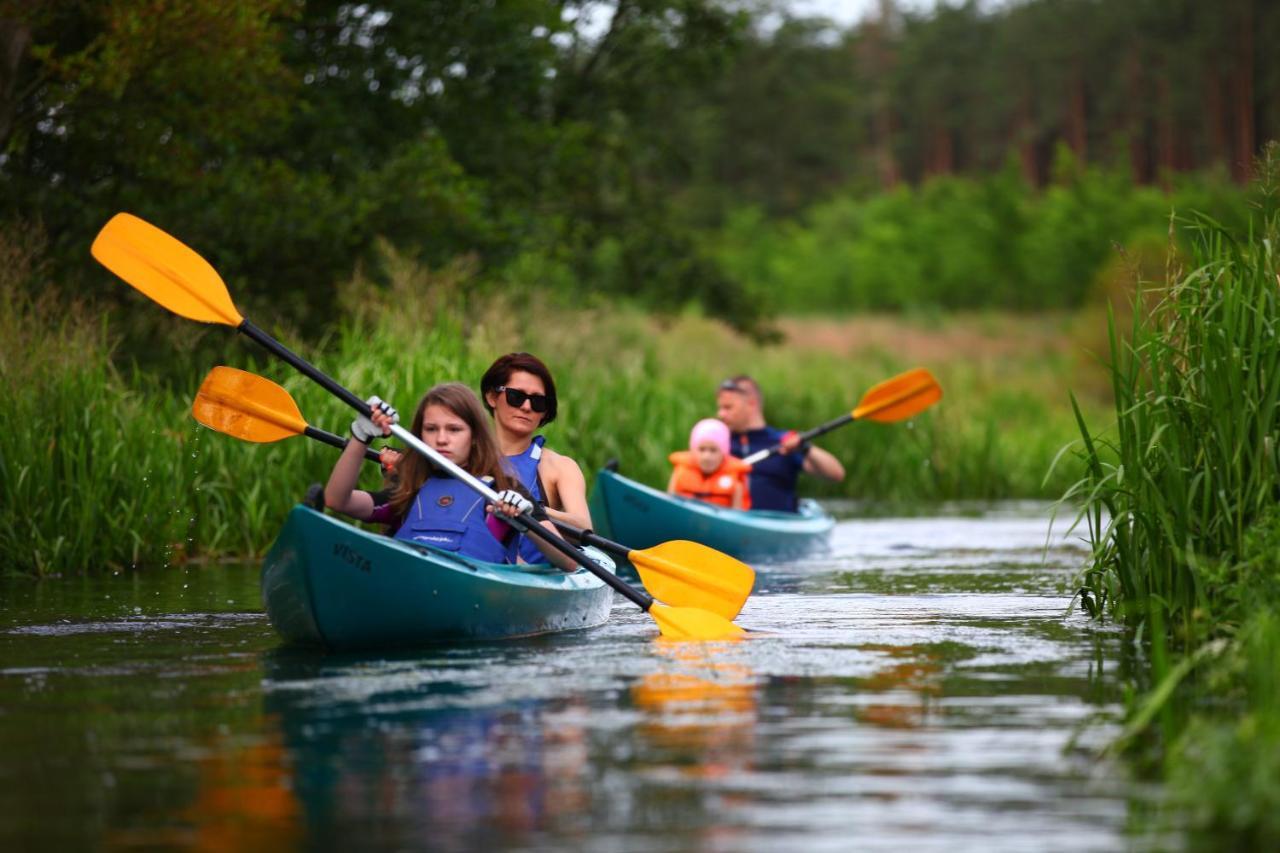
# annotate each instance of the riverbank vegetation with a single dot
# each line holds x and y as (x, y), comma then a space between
(1185, 525)
(104, 467)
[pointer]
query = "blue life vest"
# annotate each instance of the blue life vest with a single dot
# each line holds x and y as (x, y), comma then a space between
(447, 514)
(524, 466)
(773, 481)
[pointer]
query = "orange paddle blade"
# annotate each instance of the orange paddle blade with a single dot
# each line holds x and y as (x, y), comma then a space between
(694, 575)
(899, 398)
(246, 406)
(165, 270)
(690, 623)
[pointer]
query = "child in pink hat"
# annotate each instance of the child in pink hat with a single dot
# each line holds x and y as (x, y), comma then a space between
(706, 471)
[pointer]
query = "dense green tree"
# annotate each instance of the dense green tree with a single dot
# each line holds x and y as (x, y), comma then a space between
(286, 137)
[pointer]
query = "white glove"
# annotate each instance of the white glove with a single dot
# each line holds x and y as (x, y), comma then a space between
(515, 499)
(364, 430)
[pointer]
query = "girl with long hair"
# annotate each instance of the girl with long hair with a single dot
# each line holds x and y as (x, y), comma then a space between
(427, 506)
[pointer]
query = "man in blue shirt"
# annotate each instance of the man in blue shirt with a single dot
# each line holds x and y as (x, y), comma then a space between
(773, 481)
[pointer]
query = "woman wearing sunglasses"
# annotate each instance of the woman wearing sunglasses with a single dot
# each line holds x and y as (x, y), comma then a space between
(519, 392)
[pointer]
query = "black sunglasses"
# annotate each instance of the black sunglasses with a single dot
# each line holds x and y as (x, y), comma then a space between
(516, 398)
(730, 385)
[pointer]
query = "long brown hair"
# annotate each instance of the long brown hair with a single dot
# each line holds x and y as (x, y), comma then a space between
(485, 459)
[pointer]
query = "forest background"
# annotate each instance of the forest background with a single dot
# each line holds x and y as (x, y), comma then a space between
(680, 191)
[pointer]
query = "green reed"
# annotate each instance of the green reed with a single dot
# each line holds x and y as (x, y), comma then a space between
(1197, 394)
(101, 465)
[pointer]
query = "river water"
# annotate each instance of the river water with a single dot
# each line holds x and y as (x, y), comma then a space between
(923, 686)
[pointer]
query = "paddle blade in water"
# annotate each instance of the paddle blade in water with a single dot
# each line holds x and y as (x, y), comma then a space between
(246, 406)
(165, 270)
(695, 575)
(690, 623)
(904, 396)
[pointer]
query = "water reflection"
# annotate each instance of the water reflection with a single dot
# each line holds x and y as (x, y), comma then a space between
(699, 709)
(392, 744)
(905, 687)
(244, 801)
(920, 687)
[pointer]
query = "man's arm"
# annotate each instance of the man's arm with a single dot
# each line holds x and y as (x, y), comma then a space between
(820, 463)
(817, 461)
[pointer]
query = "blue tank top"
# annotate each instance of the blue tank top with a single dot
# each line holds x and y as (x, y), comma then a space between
(773, 481)
(447, 514)
(525, 468)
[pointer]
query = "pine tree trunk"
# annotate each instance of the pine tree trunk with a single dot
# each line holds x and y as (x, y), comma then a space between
(1242, 165)
(1077, 123)
(15, 38)
(1215, 110)
(1027, 141)
(1137, 126)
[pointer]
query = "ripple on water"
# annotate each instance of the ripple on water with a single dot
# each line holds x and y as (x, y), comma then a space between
(923, 686)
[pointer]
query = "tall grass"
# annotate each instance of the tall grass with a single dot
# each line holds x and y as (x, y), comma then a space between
(101, 465)
(1197, 394)
(1185, 525)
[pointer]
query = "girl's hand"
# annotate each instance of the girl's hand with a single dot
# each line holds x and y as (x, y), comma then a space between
(365, 430)
(389, 458)
(512, 504)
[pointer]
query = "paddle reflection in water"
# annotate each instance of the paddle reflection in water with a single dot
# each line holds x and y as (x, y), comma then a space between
(699, 709)
(243, 801)
(904, 689)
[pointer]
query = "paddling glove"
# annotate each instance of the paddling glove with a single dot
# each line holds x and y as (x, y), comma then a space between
(363, 429)
(802, 448)
(519, 501)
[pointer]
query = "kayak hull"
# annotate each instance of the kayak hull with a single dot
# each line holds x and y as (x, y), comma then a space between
(642, 516)
(330, 584)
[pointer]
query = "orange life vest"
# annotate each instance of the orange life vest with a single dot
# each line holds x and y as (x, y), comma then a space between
(716, 488)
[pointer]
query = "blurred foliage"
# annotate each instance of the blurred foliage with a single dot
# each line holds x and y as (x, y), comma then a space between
(623, 159)
(964, 242)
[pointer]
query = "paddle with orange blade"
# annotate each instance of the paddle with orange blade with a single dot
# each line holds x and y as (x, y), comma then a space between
(905, 395)
(170, 273)
(253, 408)
(687, 574)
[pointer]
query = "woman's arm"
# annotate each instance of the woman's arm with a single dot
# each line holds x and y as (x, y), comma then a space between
(561, 561)
(738, 492)
(567, 485)
(511, 504)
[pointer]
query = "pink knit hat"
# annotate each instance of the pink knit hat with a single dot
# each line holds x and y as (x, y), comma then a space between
(710, 429)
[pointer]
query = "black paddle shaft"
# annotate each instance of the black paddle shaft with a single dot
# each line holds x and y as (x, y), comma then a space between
(339, 442)
(587, 537)
(642, 600)
(249, 330)
(821, 429)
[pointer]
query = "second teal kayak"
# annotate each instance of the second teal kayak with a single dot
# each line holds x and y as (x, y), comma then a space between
(642, 516)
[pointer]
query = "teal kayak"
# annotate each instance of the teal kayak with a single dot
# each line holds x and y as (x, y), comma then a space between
(327, 583)
(641, 516)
